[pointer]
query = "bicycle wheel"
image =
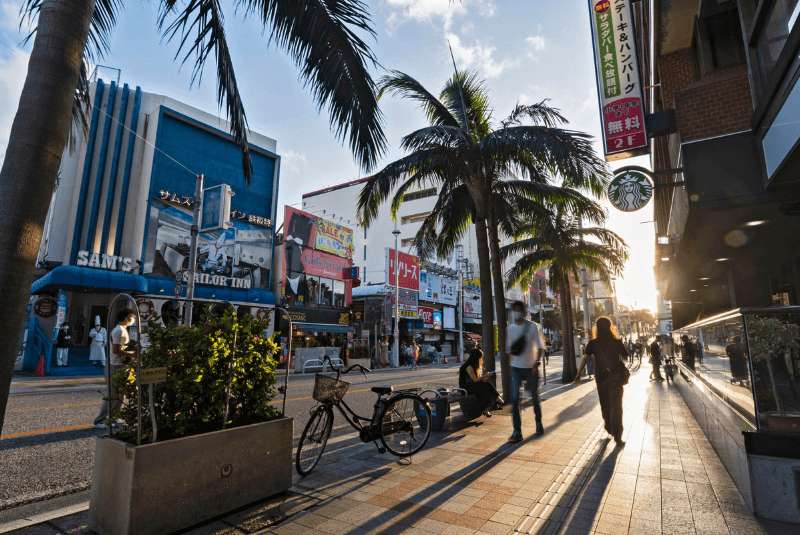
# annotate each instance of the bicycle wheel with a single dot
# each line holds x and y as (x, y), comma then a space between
(313, 440)
(405, 424)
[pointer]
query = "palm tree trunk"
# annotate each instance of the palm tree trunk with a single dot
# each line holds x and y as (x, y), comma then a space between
(38, 136)
(487, 317)
(569, 369)
(499, 301)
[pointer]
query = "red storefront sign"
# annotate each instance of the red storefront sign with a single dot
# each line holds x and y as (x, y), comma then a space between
(426, 314)
(408, 270)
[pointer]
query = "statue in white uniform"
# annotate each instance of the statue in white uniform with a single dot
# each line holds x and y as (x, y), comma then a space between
(99, 336)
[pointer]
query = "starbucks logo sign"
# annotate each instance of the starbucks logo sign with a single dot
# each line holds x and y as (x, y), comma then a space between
(631, 189)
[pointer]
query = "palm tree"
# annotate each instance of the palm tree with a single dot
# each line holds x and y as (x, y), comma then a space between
(555, 239)
(321, 36)
(477, 165)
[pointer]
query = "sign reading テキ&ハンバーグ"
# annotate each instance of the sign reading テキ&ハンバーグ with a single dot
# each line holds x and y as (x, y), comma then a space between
(619, 88)
(630, 190)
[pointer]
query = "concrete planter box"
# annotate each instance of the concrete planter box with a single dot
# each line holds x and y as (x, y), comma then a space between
(167, 486)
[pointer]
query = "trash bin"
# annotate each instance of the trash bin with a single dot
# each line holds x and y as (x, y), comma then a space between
(440, 408)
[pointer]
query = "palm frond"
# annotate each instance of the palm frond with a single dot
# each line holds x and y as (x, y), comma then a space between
(526, 266)
(466, 98)
(525, 245)
(200, 28)
(322, 37)
(405, 86)
(437, 135)
(380, 186)
(539, 113)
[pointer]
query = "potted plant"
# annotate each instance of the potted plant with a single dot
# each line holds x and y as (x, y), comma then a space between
(211, 440)
(770, 339)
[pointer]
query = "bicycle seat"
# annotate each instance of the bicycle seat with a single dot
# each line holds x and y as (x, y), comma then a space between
(383, 390)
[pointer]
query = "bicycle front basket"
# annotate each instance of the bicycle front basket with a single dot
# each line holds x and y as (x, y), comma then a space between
(329, 389)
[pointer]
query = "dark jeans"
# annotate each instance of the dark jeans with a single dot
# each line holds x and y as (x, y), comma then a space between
(531, 378)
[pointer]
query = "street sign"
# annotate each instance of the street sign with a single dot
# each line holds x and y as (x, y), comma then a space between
(631, 189)
(151, 376)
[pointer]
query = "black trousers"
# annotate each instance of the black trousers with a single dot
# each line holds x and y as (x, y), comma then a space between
(485, 392)
(610, 393)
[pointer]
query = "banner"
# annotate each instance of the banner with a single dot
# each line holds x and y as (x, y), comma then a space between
(309, 230)
(409, 304)
(617, 71)
(409, 270)
(237, 257)
(438, 288)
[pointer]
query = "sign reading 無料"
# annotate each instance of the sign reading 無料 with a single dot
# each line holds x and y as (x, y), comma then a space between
(619, 88)
(630, 190)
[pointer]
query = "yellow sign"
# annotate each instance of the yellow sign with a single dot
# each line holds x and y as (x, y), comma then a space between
(151, 376)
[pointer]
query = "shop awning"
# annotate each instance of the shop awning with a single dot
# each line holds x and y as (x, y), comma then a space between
(323, 327)
(74, 277)
(83, 278)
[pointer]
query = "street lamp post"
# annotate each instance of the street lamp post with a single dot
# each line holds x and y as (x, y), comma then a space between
(396, 349)
(196, 222)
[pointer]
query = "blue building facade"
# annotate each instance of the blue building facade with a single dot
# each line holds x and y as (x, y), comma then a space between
(121, 216)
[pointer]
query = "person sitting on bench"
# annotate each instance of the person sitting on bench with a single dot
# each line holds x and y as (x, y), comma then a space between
(477, 383)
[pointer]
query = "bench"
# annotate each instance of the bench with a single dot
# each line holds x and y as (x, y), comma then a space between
(469, 405)
(318, 365)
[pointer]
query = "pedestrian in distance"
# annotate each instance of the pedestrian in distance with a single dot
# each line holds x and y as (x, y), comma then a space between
(63, 343)
(655, 361)
(413, 354)
(689, 352)
(120, 357)
(525, 345)
(611, 374)
(477, 382)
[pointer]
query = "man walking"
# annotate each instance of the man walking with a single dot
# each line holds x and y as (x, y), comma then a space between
(655, 360)
(120, 354)
(525, 344)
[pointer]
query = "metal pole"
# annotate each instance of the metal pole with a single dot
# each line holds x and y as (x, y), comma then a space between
(196, 223)
(460, 315)
(288, 356)
(396, 348)
(539, 284)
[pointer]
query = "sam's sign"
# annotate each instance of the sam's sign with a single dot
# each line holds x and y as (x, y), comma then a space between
(109, 262)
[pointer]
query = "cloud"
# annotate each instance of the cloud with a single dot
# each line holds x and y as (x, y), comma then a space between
(536, 43)
(477, 56)
(293, 162)
(430, 10)
(13, 69)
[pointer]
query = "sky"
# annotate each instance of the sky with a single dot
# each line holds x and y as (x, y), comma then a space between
(525, 51)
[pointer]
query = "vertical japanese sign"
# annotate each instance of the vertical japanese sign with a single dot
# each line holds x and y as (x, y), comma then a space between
(619, 88)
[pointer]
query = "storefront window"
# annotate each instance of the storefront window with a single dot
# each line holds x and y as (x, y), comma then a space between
(338, 294)
(297, 289)
(775, 32)
(751, 360)
(313, 290)
(325, 292)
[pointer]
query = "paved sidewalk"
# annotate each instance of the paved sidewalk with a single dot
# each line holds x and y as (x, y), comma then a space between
(468, 480)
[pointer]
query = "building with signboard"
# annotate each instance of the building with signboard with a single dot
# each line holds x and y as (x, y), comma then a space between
(314, 278)
(722, 87)
(121, 215)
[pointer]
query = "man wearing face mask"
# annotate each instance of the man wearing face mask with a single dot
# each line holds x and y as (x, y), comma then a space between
(525, 344)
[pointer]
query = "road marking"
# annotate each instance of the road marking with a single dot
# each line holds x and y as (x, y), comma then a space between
(43, 517)
(46, 431)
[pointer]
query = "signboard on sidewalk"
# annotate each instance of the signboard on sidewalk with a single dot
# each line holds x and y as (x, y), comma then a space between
(619, 88)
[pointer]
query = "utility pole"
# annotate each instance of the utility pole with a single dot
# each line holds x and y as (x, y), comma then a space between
(460, 262)
(396, 349)
(196, 223)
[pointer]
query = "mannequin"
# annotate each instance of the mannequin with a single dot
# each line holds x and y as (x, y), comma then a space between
(99, 336)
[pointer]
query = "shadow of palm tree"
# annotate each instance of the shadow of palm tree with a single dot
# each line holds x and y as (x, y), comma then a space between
(590, 496)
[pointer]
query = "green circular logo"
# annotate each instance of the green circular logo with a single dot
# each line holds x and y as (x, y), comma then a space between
(630, 190)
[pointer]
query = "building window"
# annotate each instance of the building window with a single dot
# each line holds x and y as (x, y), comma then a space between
(774, 34)
(414, 218)
(338, 294)
(325, 292)
(718, 41)
(421, 194)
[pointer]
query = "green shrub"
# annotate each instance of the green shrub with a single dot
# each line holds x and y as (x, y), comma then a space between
(221, 373)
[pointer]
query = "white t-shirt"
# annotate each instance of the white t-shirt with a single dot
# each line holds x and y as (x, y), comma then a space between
(119, 335)
(534, 341)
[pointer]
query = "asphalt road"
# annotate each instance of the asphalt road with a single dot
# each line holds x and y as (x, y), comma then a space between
(47, 446)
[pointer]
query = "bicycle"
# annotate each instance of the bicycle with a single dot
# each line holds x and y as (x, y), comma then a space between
(401, 419)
